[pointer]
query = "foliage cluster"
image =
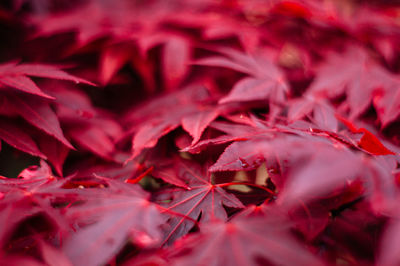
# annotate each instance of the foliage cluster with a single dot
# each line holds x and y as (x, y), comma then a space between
(200, 132)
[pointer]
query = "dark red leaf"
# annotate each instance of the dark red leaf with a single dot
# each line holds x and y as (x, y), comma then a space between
(17, 76)
(181, 108)
(202, 197)
(17, 138)
(40, 115)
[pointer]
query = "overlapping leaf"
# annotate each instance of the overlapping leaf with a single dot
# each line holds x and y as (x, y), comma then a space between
(297, 98)
(266, 80)
(243, 242)
(114, 215)
(357, 72)
(201, 197)
(187, 108)
(17, 76)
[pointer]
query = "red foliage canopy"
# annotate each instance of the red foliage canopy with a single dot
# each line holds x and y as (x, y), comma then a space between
(258, 132)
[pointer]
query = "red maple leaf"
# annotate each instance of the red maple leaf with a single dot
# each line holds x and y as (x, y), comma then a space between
(368, 142)
(358, 72)
(17, 76)
(266, 80)
(242, 241)
(89, 127)
(222, 132)
(19, 139)
(107, 219)
(38, 113)
(200, 198)
(160, 116)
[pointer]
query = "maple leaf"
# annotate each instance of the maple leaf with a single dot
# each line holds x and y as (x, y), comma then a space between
(266, 80)
(109, 19)
(293, 110)
(27, 197)
(164, 171)
(251, 142)
(19, 139)
(29, 179)
(314, 151)
(315, 172)
(371, 77)
(161, 116)
(93, 139)
(242, 242)
(113, 215)
(115, 56)
(39, 113)
(241, 156)
(202, 197)
(17, 77)
(323, 112)
(40, 185)
(368, 142)
(91, 128)
(244, 129)
(55, 152)
(321, 173)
